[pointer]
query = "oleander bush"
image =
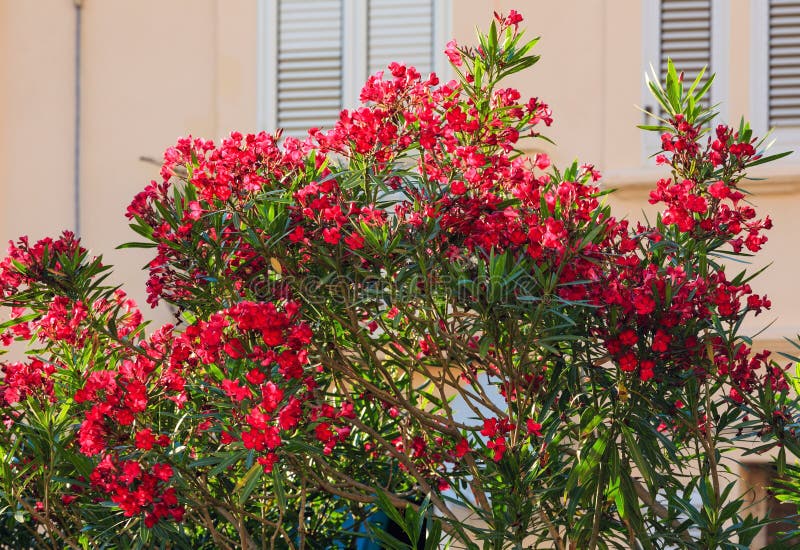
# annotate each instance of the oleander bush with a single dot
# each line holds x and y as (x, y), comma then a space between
(402, 315)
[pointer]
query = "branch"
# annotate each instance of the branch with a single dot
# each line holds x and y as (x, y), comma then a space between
(246, 540)
(216, 535)
(49, 525)
(412, 469)
(659, 509)
(552, 529)
(431, 420)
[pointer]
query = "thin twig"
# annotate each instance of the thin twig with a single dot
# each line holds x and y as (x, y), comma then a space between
(49, 525)
(658, 509)
(552, 530)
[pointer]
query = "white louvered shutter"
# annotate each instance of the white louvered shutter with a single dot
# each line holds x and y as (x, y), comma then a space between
(400, 31)
(309, 65)
(784, 63)
(686, 38)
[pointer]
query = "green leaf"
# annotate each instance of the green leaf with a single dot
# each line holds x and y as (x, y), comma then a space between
(247, 483)
(136, 245)
(770, 158)
(386, 506)
(387, 540)
(492, 40)
(280, 492)
(632, 447)
(229, 459)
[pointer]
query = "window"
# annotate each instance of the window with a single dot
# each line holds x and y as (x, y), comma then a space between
(775, 69)
(685, 32)
(310, 51)
(401, 30)
(316, 54)
(694, 34)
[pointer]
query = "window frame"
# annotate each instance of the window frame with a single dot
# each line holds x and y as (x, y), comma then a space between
(651, 59)
(354, 53)
(788, 137)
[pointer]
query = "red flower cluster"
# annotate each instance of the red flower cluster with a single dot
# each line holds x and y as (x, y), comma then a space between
(403, 112)
(136, 488)
(275, 396)
(239, 168)
(118, 397)
(661, 300)
(496, 431)
(712, 208)
(28, 379)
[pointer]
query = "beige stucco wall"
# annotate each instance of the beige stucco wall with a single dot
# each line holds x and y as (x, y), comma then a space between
(151, 71)
(36, 98)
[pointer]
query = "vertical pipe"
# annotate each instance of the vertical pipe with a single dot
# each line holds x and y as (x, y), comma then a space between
(76, 184)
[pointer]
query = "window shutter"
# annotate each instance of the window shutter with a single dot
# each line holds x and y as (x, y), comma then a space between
(784, 63)
(309, 64)
(686, 37)
(400, 31)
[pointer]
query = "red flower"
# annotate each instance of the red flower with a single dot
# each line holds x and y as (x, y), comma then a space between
(236, 392)
(145, 439)
(297, 235)
(131, 471)
(498, 446)
(162, 471)
(331, 235)
(646, 369)
(323, 432)
(643, 303)
(268, 461)
(462, 448)
(489, 427)
(628, 362)
(453, 54)
(719, 190)
(534, 428)
(136, 397)
(290, 415)
(272, 396)
(354, 241)
(660, 341)
(628, 337)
